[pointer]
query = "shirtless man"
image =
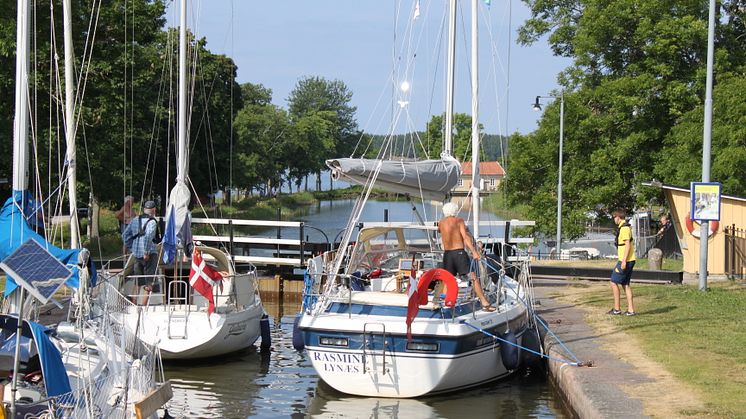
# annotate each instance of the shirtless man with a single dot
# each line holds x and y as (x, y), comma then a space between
(453, 232)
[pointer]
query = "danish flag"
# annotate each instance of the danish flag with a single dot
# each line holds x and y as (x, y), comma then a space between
(203, 278)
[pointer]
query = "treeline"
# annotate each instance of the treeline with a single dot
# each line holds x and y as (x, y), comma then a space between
(634, 106)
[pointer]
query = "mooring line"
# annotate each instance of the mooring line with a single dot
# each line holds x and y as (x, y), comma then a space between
(563, 361)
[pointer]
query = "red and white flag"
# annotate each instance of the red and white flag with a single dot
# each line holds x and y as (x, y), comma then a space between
(203, 278)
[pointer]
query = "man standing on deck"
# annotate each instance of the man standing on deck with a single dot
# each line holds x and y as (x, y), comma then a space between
(622, 273)
(454, 235)
(141, 237)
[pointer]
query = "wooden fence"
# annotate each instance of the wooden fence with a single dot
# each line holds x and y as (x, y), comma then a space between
(735, 252)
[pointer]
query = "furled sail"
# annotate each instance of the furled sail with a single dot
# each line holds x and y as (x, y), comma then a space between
(430, 179)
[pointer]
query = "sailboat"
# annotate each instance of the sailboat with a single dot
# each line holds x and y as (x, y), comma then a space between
(171, 314)
(369, 323)
(83, 368)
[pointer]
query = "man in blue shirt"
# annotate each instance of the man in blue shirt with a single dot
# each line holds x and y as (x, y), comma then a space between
(139, 237)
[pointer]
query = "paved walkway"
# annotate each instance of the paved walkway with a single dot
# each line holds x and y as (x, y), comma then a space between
(592, 392)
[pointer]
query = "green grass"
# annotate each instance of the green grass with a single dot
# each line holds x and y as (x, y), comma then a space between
(700, 337)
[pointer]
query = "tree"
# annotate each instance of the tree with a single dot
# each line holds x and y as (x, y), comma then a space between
(682, 159)
(262, 135)
(461, 136)
(330, 102)
(638, 71)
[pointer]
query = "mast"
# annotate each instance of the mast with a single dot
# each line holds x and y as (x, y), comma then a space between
(21, 118)
(181, 155)
(70, 126)
(475, 179)
(448, 139)
(20, 161)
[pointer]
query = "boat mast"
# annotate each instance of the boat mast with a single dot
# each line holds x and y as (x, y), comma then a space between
(181, 155)
(475, 179)
(448, 139)
(20, 161)
(70, 125)
(21, 118)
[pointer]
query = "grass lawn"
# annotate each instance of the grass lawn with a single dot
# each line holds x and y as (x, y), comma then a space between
(700, 337)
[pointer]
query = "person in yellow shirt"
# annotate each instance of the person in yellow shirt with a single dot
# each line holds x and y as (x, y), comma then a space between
(622, 273)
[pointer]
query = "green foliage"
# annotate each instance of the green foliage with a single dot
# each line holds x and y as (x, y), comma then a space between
(632, 106)
(261, 144)
(680, 162)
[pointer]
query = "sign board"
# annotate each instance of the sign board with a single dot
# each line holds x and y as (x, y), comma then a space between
(36, 270)
(705, 201)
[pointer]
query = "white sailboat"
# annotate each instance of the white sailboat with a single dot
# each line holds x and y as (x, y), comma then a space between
(171, 314)
(366, 330)
(84, 370)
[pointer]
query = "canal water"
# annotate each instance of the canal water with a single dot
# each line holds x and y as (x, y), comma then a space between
(281, 383)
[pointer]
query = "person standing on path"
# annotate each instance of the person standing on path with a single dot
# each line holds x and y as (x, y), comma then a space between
(622, 273)
(453, 233)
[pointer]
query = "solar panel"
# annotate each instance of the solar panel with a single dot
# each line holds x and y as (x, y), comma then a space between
(36, 270)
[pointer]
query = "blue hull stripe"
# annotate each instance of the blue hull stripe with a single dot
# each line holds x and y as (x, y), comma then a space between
(395, 311)
(396, 344)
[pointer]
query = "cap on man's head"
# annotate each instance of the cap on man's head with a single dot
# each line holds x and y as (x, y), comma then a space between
(450, 209)
(148, 205)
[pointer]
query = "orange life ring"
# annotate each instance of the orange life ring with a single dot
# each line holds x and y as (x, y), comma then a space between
(438, 274)
(714, 225)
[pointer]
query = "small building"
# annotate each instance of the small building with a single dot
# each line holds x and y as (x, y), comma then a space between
(491, 173)
(727, 239)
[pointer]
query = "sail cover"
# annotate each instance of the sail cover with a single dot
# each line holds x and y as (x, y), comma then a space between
(430, 179)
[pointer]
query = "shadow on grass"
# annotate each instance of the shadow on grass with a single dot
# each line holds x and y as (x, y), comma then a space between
(659, 310)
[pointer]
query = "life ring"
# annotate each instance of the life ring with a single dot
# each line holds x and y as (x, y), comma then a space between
(714, 225)
(438, 274)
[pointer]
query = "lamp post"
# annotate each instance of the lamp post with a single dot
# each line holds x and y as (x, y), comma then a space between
(537, 107)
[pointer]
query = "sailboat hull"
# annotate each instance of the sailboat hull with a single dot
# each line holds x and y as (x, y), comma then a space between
(444, 354)
(198, 336)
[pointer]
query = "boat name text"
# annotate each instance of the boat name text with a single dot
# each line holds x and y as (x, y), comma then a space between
(338, 362)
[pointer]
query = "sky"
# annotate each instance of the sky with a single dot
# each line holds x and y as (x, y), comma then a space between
(373, 46)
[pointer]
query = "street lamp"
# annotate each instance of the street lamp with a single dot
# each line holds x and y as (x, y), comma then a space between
(537, 107)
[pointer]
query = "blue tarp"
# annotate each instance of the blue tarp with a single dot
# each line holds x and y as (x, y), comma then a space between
(14, 231)
(52, 368)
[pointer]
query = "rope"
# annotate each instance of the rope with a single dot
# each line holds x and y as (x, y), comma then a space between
(486, 333)
(538, 320)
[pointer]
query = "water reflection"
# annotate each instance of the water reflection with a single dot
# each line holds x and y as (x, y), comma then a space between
(520, 396)
(282, 383)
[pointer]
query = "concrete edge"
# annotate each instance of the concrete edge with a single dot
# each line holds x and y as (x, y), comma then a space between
(568, 384)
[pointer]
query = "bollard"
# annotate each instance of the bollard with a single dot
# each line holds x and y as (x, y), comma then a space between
(655, 259)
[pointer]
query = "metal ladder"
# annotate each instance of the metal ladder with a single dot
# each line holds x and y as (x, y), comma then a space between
(178, 295)
(371, 339)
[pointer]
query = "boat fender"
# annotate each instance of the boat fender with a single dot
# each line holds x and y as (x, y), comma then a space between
(509, 351)
(264, 328)
(438, 274)
(298, 343)
(532, 341)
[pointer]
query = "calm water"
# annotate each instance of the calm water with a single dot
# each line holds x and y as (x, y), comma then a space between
(331, 217)
(282, 383)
